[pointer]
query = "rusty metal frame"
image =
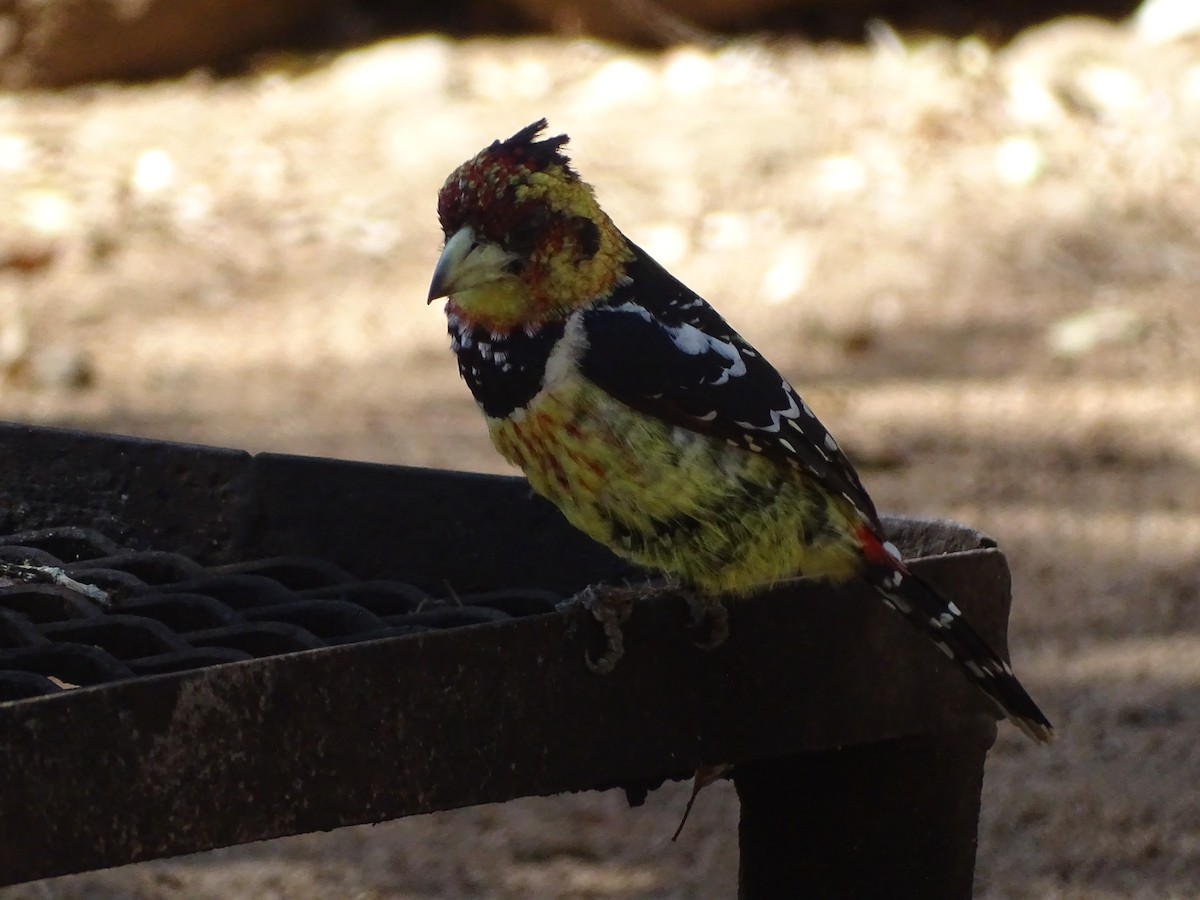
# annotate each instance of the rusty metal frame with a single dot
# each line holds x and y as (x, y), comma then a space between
(172, 764)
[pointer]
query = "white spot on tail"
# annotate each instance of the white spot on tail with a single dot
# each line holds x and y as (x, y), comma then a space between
(777, 417)
(945, 648)
(894, 552)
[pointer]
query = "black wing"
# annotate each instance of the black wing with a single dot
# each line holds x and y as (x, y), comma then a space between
(662, 350)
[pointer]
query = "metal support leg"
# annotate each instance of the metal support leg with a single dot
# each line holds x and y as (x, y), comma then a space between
(887, 821)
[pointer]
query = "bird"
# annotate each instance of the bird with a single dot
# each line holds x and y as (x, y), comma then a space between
(653, 426)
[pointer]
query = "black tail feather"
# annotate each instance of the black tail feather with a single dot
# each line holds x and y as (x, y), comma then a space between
(943, 623)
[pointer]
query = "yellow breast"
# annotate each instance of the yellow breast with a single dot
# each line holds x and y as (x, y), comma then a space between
(721, 518)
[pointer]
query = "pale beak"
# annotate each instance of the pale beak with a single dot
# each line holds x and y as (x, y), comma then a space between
(466, 263)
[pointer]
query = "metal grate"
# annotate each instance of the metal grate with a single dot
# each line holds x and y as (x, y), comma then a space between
(167, 613)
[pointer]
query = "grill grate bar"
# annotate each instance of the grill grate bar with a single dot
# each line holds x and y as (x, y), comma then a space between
(171, 614)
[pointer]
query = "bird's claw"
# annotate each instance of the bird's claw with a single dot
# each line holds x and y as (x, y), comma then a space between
(710, 618)
(611, 607)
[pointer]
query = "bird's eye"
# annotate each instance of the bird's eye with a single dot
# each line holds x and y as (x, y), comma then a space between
(587, 236)
(528, 230)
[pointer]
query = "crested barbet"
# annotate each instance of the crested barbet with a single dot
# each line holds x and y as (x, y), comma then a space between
(652, 424)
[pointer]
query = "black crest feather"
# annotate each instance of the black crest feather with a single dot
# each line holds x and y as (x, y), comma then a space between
(538, 155)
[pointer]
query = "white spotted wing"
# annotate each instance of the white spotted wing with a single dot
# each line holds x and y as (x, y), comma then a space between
(660, 349)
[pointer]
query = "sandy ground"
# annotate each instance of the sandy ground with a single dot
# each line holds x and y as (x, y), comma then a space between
(978, 265)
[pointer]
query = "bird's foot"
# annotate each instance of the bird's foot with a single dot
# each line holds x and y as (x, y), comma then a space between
(710, 619)
(610, 606)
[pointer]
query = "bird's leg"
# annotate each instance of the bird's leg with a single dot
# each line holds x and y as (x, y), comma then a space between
(611, 606)
(709, 617)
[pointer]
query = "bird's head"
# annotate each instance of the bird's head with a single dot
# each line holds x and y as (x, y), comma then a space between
(526, 242)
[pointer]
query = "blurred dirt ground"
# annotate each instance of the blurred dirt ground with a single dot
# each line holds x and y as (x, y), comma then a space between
(980, 267)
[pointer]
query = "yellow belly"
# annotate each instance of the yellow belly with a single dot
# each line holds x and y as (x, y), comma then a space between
(693, 507)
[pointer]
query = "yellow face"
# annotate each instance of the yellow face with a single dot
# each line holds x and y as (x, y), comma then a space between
(523, 246)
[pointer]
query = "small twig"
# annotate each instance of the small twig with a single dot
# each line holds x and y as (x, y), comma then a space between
(667, 27)
(31, 574)
(705, 775)
(457, 600)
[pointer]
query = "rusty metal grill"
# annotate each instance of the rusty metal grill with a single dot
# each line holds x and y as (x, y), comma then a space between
(168, 613)
(859, 752)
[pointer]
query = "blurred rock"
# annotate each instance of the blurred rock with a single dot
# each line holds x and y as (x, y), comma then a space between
(1087, 331)
(1019, 161)
(666, 242)
(27, 253)
(374, 73)
(1160, 21)
(654, 21)
(622, 81)
(14, 343)
(61, 367)
(61, 42)
(787, 277)
(52, 43)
